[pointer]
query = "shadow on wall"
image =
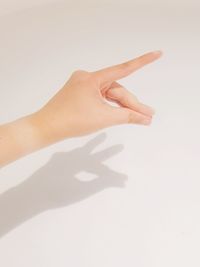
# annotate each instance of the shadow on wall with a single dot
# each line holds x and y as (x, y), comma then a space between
(55, 185)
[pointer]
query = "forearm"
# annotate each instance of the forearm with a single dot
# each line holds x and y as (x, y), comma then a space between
(18, 138)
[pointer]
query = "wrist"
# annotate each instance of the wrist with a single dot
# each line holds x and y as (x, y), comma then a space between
(38, 129)
(18, 138)
(26, 134)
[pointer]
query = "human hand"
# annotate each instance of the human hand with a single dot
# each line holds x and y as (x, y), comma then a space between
(79, 108)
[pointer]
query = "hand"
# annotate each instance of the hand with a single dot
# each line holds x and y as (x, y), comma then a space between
(79, 108)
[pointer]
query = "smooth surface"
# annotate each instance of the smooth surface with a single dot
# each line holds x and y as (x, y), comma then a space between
(127, 195)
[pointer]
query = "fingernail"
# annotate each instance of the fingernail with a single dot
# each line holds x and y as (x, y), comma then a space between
(146, 121)
(153, 111)
(148, 110)
(158, 52)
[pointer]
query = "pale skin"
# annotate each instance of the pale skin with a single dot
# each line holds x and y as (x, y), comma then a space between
(79, 108)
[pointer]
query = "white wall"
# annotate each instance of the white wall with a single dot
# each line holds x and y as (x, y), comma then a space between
(124, 196)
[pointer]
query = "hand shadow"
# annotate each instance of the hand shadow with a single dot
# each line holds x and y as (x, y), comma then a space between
(55, 185)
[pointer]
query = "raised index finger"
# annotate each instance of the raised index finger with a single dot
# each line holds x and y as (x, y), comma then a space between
(117, 72)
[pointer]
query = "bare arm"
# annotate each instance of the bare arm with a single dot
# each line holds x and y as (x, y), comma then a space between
(17, 139)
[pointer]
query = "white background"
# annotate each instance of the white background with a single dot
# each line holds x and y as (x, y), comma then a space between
(124, 196)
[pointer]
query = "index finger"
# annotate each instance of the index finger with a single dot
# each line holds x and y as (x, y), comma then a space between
(117, 72)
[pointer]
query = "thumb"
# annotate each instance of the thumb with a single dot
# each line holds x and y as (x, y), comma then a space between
(123, 115)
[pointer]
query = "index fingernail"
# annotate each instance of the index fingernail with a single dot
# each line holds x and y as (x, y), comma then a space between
(158, 52)
(152, 111)
(146, 121)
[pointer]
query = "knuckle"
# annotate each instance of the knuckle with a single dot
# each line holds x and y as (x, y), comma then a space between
(79, 71)
(80, 74)
(133, 118)
(130, 117)
(126, 66)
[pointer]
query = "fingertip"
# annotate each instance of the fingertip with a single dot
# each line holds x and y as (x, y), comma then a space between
(158, 53)
(153, 111)
(146, 121)
(150, 111)
(146, 110)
